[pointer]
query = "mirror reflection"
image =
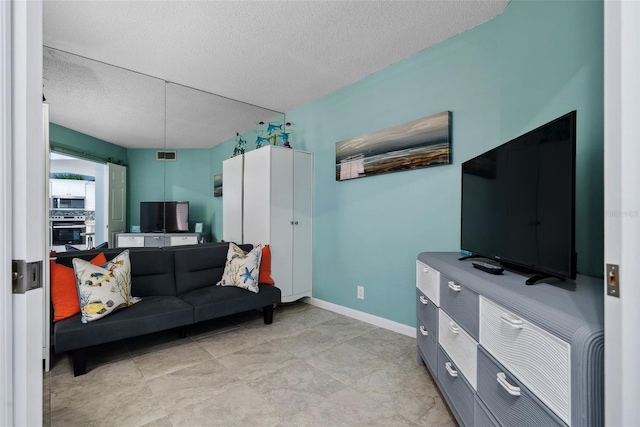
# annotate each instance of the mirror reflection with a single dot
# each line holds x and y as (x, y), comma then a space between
(148, 141)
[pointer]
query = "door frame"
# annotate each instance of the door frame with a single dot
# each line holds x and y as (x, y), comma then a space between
(6, 312)
(622, 209)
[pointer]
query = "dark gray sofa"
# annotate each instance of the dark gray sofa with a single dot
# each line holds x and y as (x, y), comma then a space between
(178, 288)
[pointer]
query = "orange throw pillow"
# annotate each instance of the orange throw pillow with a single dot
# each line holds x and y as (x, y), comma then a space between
(64, 292)
(265, 267)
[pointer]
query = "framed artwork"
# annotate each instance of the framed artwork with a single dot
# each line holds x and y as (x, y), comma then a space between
(417, 144)
(217, 185)
(199, 227)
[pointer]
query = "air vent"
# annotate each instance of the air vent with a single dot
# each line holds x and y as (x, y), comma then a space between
(166, 155)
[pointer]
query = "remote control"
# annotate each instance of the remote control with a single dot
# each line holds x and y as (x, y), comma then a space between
(489, 268)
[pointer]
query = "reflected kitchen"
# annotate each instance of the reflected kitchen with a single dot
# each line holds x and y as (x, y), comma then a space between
(71, 210)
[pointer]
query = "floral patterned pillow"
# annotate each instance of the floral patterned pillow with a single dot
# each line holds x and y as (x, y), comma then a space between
(242, 270)
(103, 289)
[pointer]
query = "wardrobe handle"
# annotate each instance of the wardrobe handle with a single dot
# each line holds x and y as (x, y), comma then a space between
(424, 300)
(295, 222)
(454, 328)
(512, 321)
(423, 331)
(425, 270)
(454, 287)
(291, 222)
(511, 389)
(449, 369)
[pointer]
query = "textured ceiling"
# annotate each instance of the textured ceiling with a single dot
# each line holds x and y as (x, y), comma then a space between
(275, 54)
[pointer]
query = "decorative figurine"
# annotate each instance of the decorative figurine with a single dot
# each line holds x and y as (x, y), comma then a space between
(241, 145)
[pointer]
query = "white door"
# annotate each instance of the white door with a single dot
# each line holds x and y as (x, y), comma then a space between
(22, 187)
(117, 221)
(622, 210)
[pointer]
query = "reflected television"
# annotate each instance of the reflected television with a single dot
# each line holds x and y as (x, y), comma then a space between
(164, 217)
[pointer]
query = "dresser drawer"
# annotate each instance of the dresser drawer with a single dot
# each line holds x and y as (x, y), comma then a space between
(459, 345)
(457, 389)
(538, 359)
(461, 304)
(428, 346)
(154, 241)
(183, 240)
(428, 281)
(130, 241)
(427, 313)
(510, 402)
(481, 415)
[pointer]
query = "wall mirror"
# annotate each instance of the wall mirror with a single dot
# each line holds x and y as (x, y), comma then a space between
(106, 114)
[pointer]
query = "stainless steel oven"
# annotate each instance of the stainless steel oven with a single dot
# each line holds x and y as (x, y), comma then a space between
(67, 230)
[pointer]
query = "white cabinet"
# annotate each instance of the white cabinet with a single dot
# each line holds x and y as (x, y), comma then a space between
(90, 198)
(277, 210)
(68, 187)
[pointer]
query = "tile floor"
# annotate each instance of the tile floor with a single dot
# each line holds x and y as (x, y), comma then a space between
(311, 367)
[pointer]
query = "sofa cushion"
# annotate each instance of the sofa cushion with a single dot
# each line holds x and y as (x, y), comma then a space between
(211, 302)
(200, 266)
(103, 290)
(242, 270)
(265, 266)
(64, 292)
(152, 314)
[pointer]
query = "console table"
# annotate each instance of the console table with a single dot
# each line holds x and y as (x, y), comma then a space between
(507, 354)
(156, 240)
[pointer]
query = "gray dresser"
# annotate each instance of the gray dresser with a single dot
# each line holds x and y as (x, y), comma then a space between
(507, 354)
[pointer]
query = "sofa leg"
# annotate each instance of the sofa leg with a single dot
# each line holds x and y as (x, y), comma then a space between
(267, 313)
(183, 331)
(79, 357)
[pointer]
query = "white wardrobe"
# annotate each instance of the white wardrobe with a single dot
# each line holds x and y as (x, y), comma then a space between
(276, 209)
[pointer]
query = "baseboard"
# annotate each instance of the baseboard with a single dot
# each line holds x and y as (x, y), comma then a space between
(365, 317)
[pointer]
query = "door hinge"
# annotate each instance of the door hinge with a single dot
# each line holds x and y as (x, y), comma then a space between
(25, 276)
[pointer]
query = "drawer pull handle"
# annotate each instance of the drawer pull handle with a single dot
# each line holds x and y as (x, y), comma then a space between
(511, 389)
(454, 287)
(511, 321)
(425, 270)
(423, 331)
(424, 300)
(449, 369)
(454, 328)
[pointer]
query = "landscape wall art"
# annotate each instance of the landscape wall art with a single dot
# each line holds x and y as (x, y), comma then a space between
(413, 145)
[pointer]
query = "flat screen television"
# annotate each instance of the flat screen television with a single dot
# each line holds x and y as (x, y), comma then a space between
(164, 217)
(518, 201)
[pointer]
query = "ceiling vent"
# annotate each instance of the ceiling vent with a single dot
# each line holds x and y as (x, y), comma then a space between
(166, 155)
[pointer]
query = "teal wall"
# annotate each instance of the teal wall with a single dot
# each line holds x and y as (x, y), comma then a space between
(533, 63)
(189, 178)
(85, 146)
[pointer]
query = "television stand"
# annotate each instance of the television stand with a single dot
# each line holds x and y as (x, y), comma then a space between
(503, 353)
(156, 240)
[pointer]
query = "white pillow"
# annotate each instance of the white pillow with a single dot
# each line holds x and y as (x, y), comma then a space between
(103, 290)
(242, 270)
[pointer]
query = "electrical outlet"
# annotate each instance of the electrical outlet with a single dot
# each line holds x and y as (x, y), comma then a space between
(360, 292)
